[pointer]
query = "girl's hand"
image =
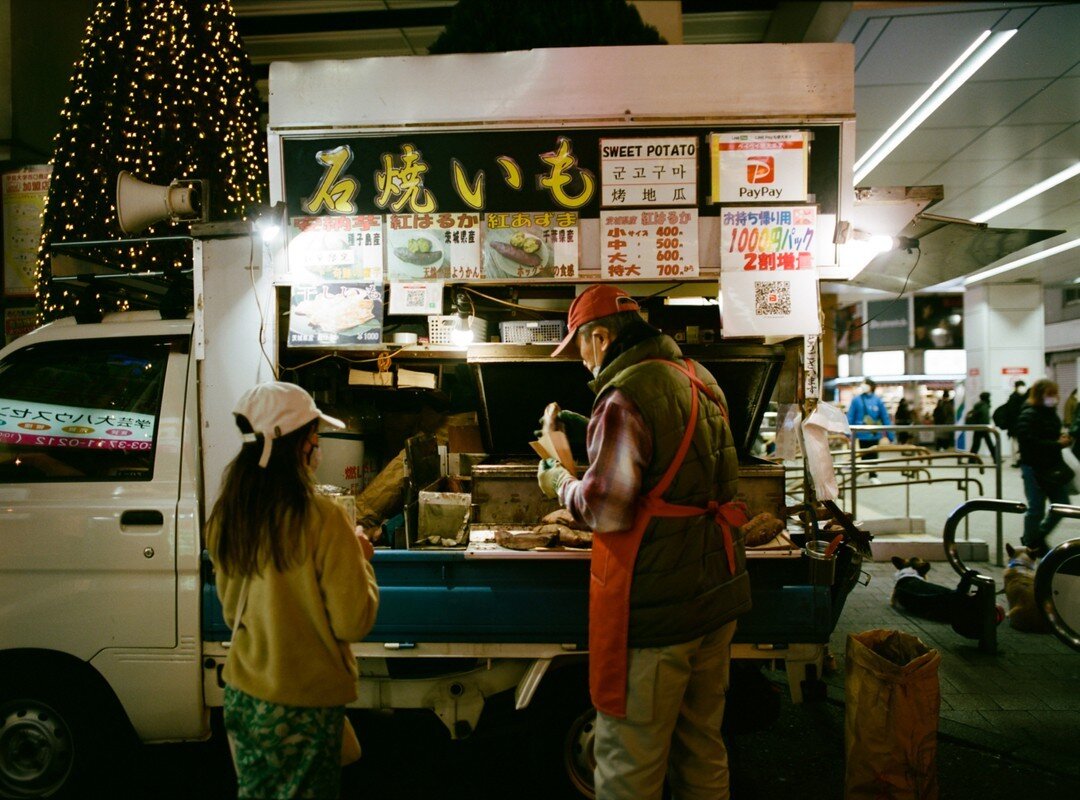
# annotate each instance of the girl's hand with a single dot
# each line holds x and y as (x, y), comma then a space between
(365, 543)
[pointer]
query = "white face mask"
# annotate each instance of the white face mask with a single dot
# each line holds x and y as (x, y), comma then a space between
(597, 358)
(1050, 402)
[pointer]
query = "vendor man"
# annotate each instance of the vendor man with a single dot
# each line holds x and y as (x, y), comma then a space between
(668, 565)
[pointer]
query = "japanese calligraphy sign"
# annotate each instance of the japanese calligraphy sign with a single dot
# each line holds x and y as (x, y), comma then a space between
(812, 367)
(429, 247)
(334, 314)
(648, 172)
(24, 192)
(346, 248)
(649, 244)
(531, 245)
(762, 166)
(767, 238)
(26, 423)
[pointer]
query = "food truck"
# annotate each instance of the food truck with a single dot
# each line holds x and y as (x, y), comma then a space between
(406, 183)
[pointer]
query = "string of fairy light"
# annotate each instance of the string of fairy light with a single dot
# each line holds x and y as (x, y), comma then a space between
(164, 90)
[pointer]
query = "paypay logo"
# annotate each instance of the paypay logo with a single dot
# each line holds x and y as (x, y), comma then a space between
(760, 169)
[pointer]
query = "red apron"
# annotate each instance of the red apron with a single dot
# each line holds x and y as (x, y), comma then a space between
(613, 557)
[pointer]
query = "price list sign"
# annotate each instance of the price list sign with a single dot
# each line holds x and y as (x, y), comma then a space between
(767, 238)
(642, 244)
(336, 248)
(649, 172)
(429, 247)
(531, 245)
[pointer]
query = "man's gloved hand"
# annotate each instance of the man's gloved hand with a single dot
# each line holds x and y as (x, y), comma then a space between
(550, 475)
(574, 425)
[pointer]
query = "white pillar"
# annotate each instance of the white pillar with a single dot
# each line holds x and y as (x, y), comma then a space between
(1004, 337)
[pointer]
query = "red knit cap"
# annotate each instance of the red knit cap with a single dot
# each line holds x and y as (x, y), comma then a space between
(599, 300)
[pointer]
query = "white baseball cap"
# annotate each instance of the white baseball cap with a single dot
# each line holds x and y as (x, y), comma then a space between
(276, 409)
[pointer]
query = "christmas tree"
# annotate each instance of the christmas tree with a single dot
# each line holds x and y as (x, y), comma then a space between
(164, 90)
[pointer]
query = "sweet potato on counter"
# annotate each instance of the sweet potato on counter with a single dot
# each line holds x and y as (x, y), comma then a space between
(548, 534)
(762, 529)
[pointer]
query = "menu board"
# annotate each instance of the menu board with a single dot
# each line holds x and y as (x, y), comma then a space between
(767, 238)
(646, 245)
(648, 172)
(531, 245)
(331, 314)
(768, 282)
(431, 247)
(345, 248)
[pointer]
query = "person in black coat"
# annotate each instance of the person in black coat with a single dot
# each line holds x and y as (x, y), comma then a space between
(980, 415)
(1038, 430)
(903, 416)
(1013, 407)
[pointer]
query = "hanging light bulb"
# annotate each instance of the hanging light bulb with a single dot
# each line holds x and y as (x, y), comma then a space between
(462, 334)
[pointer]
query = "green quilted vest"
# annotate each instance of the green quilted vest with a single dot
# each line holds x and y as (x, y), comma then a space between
(682, 587)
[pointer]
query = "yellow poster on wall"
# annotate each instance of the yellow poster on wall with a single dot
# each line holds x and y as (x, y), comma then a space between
(24, 192)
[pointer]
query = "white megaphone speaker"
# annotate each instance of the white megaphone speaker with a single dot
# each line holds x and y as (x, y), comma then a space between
(139, 205)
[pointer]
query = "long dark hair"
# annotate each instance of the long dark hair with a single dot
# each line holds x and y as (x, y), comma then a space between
(1040, 389)
(260, 513)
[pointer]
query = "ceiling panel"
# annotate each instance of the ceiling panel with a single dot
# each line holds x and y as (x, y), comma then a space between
(1058, 102)
(919, 48)
(1012, 141)
(980, 102)
(933, 145)
(1052, 32)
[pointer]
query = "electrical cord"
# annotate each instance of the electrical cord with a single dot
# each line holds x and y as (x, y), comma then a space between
(258, 305)
(890, 305)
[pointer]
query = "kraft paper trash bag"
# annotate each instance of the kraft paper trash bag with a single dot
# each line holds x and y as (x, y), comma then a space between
(826, 419)
(891, 717)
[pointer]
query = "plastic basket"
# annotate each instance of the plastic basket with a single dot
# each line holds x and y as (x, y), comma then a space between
(441, 328)
(532, 331)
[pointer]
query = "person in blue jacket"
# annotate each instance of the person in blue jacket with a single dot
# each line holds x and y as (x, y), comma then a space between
(869, 409)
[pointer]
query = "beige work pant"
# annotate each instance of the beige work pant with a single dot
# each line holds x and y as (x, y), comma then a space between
(674, 707)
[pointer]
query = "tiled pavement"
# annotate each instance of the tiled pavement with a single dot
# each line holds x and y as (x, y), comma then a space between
(1022, 702)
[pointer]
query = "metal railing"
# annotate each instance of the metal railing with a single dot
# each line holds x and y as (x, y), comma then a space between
(914, 466)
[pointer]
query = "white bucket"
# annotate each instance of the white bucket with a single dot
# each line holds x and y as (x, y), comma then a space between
(342, 461)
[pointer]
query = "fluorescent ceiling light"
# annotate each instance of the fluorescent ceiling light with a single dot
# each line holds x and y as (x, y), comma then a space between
(980, 51)
(1023, 262)
(1029, 193)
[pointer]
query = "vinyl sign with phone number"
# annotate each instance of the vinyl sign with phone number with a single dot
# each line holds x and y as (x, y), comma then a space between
(26, 423)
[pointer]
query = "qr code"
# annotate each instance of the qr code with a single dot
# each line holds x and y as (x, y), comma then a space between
(416, 298)
(772, 298)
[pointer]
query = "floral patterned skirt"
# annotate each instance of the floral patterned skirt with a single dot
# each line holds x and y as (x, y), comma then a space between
(283, 751)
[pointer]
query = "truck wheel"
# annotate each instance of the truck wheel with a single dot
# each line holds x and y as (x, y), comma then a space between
(579, 760)
(566, 724)
(48, 744)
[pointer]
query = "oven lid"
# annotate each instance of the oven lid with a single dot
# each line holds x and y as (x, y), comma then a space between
(516, 381)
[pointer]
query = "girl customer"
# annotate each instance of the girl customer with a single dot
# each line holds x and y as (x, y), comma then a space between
(1045, 473)
(296, 585)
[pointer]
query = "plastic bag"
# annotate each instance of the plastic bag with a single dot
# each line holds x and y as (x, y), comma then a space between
(826, 419)
(892, 703)
(788, 418)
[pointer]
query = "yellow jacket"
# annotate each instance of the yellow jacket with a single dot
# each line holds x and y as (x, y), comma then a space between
(292, 644)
